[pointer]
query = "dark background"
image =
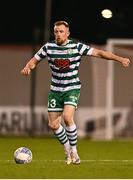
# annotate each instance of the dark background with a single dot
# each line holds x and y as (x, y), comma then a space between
(19, 20)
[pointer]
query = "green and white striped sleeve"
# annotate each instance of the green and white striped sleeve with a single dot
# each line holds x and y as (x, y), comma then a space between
(42, 53)
(84, 49)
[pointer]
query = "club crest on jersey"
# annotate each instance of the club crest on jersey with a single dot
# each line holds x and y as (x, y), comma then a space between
(70, 51)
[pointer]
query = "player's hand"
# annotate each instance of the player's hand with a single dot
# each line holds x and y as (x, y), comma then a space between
(125, 62)
(26, 71)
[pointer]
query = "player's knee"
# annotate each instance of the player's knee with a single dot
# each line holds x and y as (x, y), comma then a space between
(68, 119)
(53, 126)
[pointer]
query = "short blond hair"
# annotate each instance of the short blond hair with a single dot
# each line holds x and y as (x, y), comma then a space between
(58, 23)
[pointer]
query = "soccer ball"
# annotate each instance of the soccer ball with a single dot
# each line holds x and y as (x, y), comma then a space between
(23, 155)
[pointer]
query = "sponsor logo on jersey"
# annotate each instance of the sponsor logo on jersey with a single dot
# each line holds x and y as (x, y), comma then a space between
(62, 64)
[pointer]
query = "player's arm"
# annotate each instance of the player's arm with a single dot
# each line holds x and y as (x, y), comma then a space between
(32, 63)
(110, 56)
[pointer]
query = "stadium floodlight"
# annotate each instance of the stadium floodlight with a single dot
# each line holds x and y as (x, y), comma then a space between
(107, 13)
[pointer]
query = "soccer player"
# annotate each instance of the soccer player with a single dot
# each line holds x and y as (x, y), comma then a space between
(64, 56)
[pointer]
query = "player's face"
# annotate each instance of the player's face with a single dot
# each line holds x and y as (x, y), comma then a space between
(61, 33)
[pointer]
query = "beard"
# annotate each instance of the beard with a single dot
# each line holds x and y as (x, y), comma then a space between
(59, 41)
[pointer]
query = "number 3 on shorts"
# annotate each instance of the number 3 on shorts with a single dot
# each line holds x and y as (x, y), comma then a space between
(52, 103)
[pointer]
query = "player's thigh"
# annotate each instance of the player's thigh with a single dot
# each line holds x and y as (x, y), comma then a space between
(71, 100)
(68, 114)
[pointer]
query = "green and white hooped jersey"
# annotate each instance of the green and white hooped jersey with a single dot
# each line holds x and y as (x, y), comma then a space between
(64, 62)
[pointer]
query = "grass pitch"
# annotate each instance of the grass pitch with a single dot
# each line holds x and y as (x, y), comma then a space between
(99, 159)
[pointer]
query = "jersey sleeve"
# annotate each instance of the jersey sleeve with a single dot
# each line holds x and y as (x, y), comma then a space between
(84, 49)
(42, 53)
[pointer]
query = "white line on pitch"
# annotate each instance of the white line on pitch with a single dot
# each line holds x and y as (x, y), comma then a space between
(84, 160)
